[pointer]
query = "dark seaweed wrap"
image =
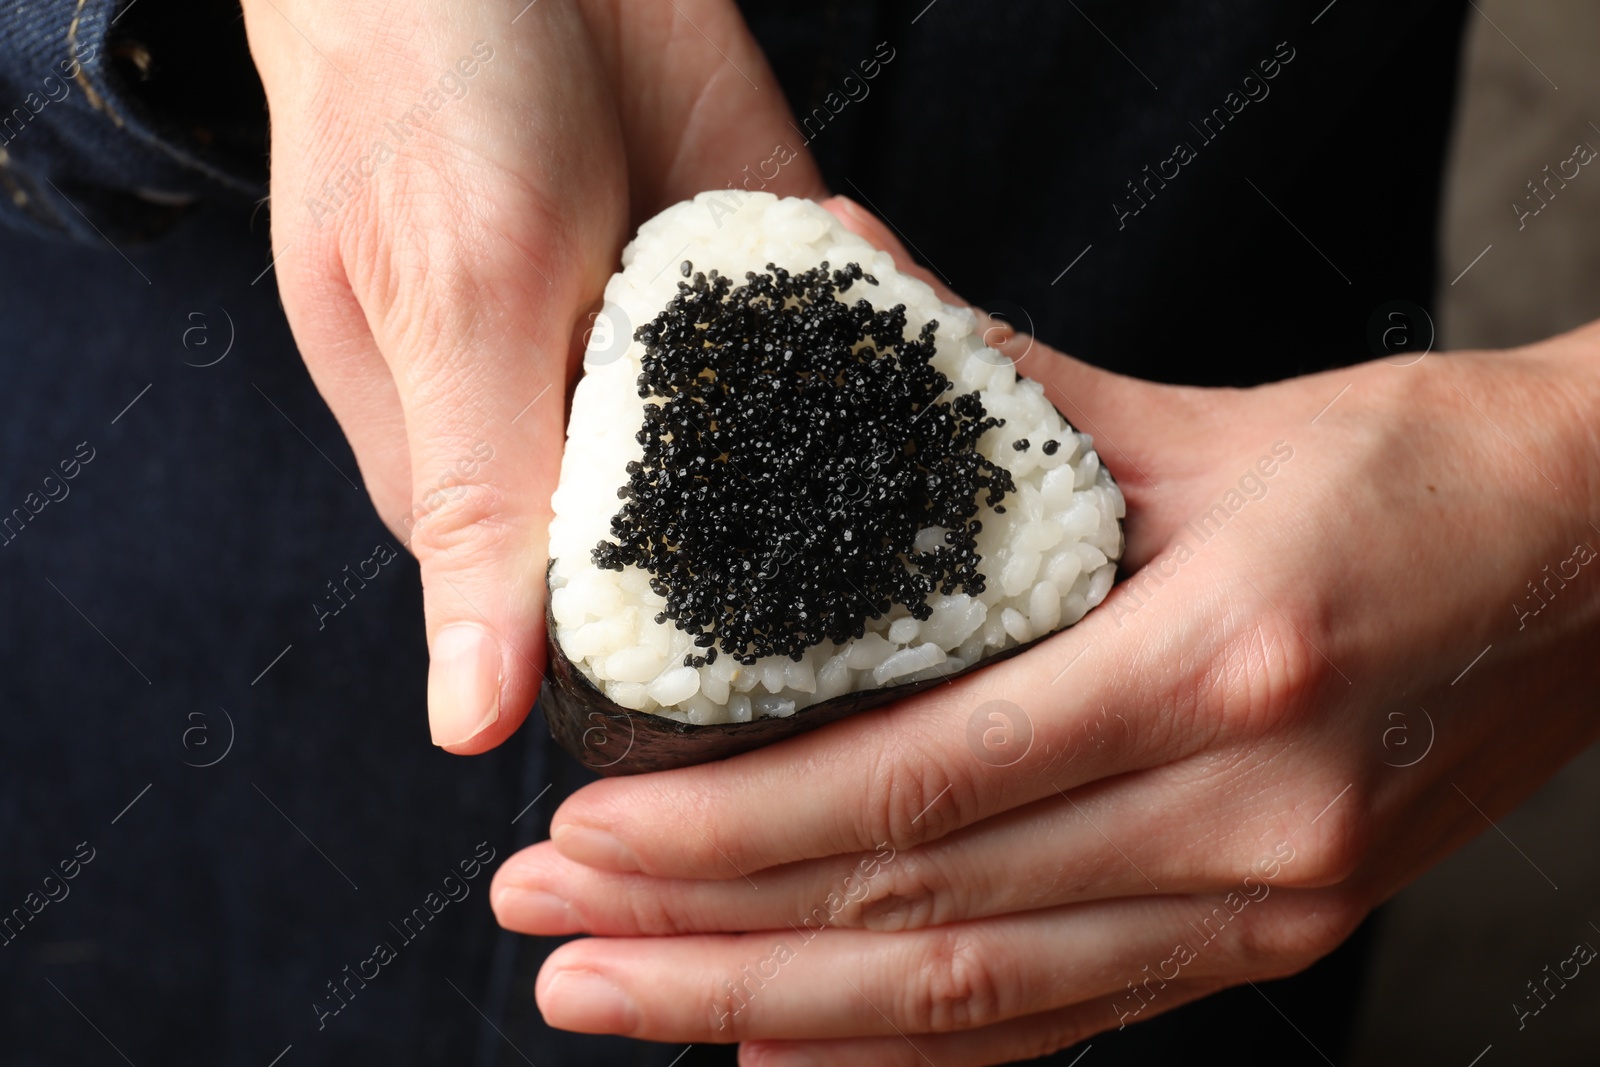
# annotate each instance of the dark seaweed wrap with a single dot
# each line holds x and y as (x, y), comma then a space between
(611, 740)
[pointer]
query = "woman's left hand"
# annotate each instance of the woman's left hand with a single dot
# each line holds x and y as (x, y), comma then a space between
(1359, 623)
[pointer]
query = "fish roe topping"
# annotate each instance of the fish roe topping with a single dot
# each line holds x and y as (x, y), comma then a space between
(797, 446)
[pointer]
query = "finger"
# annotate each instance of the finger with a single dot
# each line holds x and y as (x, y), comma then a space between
(485, 425)
(995, 332)
(473, 275)
(466, 257)
(1120, 402)
(700, 107)
(1012, 1041)
(917, 770)
(1137, 427)
(801, 983)
(1135, 835)
(863, 223)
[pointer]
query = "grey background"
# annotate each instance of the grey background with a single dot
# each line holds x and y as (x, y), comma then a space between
(1459, 945)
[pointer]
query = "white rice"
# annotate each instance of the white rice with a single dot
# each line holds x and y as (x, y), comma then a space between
(1048, 560)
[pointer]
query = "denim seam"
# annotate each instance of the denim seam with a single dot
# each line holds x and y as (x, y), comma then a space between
(96, 101)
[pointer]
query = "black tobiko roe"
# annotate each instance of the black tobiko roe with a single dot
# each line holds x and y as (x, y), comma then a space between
(795, 448)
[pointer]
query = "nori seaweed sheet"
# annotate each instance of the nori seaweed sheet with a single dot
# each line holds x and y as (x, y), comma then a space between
(611, 740)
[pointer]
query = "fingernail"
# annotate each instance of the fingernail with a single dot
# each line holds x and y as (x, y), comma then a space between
(463, 683)
(851, 207)
(534, 911)
(589, 1003)
(594, 848)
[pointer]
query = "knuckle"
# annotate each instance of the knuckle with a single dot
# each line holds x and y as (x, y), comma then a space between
(735, 998)
(461, 521)
(912, 894)
(435, 274)
(728, 1018)
(1269, 670)
(656, 915)
(1337, 844)
(722, 848)
(913, 795)
(954, 986)
(1288, 939)
(391, 251)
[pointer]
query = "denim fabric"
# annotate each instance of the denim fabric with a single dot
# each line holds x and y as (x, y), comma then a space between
(158, 603)
(83, 151)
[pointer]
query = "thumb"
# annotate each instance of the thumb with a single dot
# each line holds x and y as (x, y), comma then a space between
(478, 186)
(1119, 411)
(483, 403)
(485, 267)
(480, 540)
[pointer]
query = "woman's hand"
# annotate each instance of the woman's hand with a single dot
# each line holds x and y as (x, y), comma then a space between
(1360, 622)
(452, 183)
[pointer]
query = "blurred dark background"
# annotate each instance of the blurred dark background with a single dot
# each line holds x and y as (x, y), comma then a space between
(1456, 948)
